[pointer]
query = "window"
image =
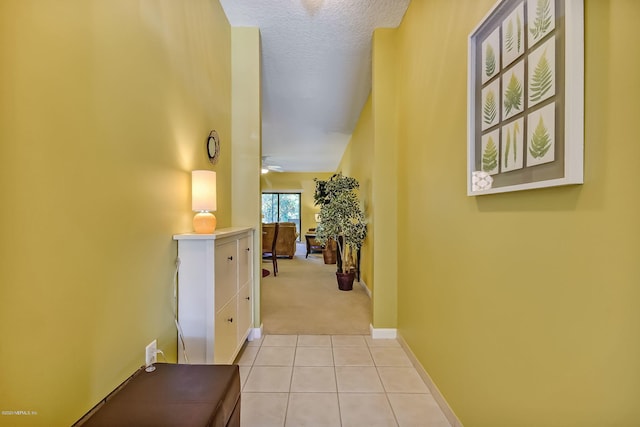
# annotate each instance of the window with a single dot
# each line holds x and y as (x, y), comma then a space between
(281, 207)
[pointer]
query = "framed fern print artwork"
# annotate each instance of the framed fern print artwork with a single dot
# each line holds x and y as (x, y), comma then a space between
(526, 97)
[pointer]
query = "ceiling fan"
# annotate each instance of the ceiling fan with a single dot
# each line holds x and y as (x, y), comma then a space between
(269, 167)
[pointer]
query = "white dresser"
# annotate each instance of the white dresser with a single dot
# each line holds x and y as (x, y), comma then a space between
(215, 294)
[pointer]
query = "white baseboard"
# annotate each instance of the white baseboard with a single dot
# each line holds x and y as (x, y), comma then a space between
(435, 392)
(366, 288)
(255, 334)
(383, 333)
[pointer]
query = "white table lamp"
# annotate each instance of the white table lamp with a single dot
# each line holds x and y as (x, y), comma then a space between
(203, 201)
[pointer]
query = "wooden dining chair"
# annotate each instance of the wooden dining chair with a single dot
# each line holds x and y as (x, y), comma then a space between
(269, 239)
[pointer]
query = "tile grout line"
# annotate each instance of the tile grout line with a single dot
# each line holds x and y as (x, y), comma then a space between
(386, 394)
(293, 362)
(336, 391)
(335, 374)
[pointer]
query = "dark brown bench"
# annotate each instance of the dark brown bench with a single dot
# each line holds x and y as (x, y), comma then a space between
(172, 395)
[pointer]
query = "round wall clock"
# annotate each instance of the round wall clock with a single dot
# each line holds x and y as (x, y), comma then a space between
(213, 147)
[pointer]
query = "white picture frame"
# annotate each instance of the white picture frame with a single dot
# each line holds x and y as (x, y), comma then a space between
(552, 47)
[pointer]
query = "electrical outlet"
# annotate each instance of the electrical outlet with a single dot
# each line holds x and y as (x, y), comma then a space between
(151, 353)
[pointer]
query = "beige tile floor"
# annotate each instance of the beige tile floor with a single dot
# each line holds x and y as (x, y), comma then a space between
(334, 381)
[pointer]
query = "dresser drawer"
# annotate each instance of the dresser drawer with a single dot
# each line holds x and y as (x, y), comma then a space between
(226, 272)
(226, 332)
(245, 311)
(245, 255)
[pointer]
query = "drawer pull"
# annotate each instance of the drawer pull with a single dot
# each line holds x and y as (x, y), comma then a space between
(248, 249)
(230, 320)
(230, 258)
(247, 298)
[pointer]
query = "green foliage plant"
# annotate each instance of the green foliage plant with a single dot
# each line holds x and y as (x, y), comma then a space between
(341, 217)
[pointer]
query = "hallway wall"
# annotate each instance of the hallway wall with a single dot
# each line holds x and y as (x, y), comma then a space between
(104, 109)
(521, 306)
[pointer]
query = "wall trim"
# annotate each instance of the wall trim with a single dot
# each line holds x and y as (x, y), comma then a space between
(383, 333)
(366, 288)
(255, 333)
(435, 392)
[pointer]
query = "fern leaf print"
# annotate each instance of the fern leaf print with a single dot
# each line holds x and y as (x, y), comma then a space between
(513, 95)
(516, 129)
(510, 159)
(542, 21)
(541, 80)
(490, 62)
(490, 108)
(540, 141)
(490, 156)
(518, 33)
(506, 150)
(508, 37)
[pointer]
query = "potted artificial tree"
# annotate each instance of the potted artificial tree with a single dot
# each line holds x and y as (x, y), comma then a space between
(329, 248)
(341, 220)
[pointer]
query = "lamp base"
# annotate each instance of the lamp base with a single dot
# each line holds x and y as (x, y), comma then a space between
(204, 223)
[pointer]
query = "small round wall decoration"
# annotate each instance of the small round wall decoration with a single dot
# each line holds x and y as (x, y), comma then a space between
(213, 147)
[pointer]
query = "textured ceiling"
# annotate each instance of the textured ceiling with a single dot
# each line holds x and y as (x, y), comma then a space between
(316, 73)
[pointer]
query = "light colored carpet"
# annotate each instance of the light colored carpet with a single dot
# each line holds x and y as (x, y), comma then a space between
(304, 299)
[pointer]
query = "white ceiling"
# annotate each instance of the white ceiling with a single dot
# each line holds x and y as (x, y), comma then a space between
(316, 73)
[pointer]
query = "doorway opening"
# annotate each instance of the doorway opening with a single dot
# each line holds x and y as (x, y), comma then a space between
(282, 207)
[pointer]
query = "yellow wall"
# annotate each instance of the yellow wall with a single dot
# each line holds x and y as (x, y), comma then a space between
(104, 109)
(371, 158)
(385, 179)
(246, 120)
(523, 307)
(297, 182)
(357, 163)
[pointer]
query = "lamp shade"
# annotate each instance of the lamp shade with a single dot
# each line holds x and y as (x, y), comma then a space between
(203, 191)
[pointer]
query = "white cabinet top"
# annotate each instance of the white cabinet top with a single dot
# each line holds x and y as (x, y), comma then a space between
(218, 234)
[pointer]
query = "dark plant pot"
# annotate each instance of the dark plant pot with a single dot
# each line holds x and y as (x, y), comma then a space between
(345, 281)
(329, 256)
